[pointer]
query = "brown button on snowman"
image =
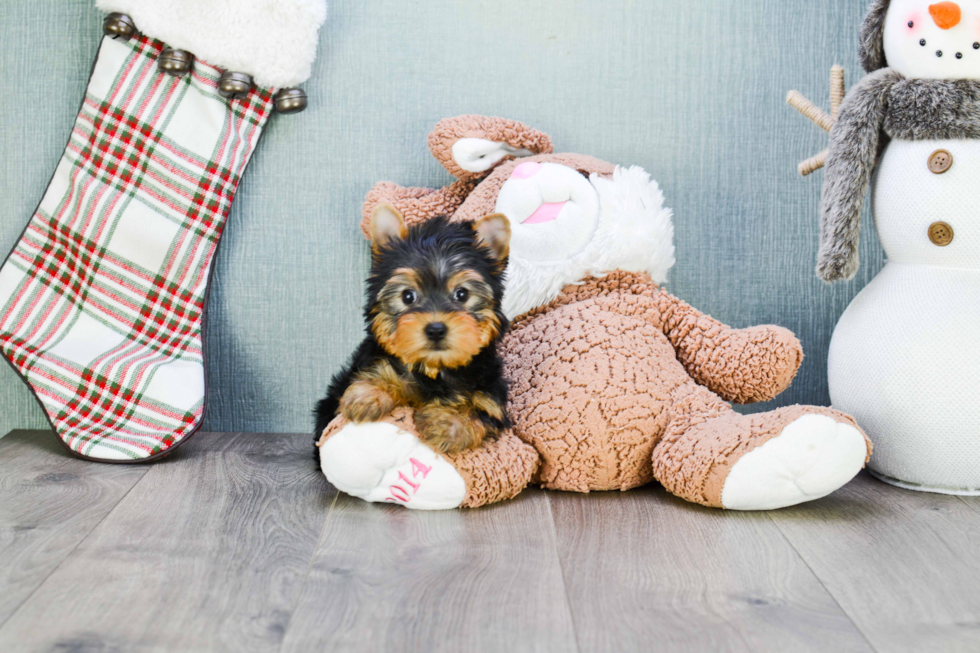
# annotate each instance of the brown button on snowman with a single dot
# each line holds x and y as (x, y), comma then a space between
(905, 359)
(940, 162)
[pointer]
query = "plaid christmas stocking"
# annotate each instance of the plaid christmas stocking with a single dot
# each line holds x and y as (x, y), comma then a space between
(102, 300)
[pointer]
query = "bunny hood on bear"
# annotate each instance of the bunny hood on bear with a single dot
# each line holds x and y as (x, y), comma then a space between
(615, 382)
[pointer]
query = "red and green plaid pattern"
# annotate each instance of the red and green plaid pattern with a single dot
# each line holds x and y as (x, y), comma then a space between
(102, 299)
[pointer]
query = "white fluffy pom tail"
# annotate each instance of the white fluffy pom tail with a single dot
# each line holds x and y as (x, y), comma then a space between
(637, 232)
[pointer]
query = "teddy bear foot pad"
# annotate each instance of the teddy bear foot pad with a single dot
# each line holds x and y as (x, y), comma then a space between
(809, 459)
(381, 463)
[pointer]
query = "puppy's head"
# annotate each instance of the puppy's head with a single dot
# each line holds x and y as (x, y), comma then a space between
(435, 290)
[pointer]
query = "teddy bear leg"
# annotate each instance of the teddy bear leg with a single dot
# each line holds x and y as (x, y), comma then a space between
(385, 462)
(765, 461)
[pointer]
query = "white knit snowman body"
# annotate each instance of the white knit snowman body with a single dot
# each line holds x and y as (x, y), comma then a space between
(905, 356)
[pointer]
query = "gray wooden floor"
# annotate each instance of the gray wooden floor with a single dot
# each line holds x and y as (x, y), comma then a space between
(236, 543)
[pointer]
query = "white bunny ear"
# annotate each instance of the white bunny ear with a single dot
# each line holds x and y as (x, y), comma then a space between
(470, 146)
(479, 154)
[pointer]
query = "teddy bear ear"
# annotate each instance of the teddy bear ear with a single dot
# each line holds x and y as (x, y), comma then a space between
(470, 146)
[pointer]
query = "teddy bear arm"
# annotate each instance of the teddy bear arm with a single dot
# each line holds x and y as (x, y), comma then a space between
(416, 205)
(741, 365)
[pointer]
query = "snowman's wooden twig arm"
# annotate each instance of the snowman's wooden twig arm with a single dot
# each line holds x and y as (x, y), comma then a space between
(853, 153)
(815, 114)
(813, 164)
(818, 116)
(837, 90)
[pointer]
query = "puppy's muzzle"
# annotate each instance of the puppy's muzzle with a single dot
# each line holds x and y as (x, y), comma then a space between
(436, 332)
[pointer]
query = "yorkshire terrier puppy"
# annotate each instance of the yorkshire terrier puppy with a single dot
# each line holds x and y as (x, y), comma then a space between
(433, 321)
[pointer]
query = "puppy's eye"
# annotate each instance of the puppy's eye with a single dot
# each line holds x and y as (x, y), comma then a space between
(409, 297)
(461, 295)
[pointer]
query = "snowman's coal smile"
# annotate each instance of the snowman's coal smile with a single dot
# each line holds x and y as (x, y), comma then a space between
(939, 53)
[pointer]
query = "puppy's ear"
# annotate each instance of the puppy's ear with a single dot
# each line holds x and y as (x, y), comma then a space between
(493, 232)
(387, 225)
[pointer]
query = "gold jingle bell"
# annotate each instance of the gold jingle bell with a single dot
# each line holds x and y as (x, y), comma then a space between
(291, 100)
(118, 25)
(234, 85)
(175, 62)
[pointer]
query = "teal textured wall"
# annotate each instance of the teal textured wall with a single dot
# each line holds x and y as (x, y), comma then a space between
(692, 91)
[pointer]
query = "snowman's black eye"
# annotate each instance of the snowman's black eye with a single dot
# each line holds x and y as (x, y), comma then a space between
(959, 55)
(911, 24)
(922, 43)
(939, 53)
(976, 46)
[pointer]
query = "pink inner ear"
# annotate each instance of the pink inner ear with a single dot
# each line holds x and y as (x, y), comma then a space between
(546, 213)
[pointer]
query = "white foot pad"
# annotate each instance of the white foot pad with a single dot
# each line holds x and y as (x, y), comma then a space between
(811, 458)
(381, 463)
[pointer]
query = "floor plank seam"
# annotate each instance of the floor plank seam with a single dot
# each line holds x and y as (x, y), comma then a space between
(973, 505)
(72, 552)
(309, 569)
(561, 568)
(847, 614)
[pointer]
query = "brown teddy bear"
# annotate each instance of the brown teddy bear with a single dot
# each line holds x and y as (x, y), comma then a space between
(614, 382)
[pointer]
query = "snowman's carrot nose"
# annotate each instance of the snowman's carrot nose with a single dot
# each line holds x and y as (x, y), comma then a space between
(946, 14)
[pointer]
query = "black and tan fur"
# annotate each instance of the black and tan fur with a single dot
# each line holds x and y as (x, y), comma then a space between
(437, 273)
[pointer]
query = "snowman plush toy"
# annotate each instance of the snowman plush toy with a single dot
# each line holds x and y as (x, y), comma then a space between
(905, 357)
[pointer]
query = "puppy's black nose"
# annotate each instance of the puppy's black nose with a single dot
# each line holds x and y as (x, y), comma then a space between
(436, 331)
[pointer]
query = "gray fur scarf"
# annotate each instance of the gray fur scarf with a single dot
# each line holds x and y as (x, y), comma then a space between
(883, 105)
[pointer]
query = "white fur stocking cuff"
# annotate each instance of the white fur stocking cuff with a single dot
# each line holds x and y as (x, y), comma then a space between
(274, 41)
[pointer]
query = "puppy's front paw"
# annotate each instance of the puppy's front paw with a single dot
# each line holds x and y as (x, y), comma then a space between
(448, 430)
(365, 402)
